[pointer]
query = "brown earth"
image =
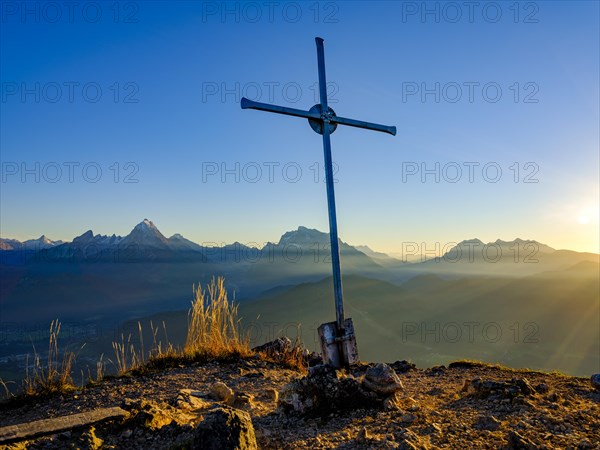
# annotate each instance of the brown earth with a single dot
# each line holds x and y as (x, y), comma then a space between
(463, 406)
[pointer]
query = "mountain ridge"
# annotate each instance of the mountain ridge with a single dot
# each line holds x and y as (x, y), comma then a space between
(146, 233)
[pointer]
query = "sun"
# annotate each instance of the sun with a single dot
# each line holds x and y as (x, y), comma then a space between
(583, 220)
(588, 215)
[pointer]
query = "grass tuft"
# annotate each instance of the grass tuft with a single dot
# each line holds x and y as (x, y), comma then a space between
(213, 325)
(55, 375)
(212, 334)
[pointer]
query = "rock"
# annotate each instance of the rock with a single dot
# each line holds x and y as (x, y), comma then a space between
(396, 402)
(272, 394)
(154, 419)
(487, 423)
(325, 391)
(595, 380)
(365, 437)
(409, 440)
(465, 386)
(525, 386)
(90, 441)
(244, 400)
(382, 379)
(188, 399)
(279, 345)
(191, 392)
(225, 429)
(517, 441)
(402, 366)
(542, 388)
(149, 414)
(223, 393)
(392, 403)
(436, 370)
(60, 423)
(499, 389)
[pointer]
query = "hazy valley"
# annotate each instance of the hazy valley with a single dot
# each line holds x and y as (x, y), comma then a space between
(520, 303)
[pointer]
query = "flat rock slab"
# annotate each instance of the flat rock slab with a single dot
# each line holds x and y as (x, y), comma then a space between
(58, 424)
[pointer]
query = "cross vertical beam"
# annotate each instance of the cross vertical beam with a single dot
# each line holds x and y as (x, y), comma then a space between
(338, 342)
(333, 234)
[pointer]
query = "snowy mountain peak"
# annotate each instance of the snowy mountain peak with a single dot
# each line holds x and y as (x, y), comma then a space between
(146, 224)
(145, 233)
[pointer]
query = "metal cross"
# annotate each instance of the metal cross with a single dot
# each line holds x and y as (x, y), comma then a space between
(324, 120)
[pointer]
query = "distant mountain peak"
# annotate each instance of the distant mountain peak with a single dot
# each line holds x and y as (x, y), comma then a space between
(89, 234)
(303, 235)
(146, 233)
(471, 241)
(146, 224)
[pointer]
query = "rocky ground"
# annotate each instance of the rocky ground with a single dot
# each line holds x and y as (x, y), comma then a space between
(254, 403)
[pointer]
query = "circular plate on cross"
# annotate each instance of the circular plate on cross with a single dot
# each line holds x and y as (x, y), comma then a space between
(317, 125)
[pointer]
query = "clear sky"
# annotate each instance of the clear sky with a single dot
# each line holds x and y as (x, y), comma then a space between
(111, 114)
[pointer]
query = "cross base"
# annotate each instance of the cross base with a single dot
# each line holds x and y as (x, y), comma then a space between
(338, 347)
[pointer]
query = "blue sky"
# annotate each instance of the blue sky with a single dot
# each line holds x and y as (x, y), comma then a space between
(148, 94)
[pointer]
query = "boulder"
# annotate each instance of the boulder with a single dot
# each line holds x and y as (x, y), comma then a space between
(486, 422)
(272, 394)
(225, 429)
(151, 415)
(189, 399)
(223, 393)
(278, 346)
(499, 389)
(402, 366)
(325, 390)
(382, 380)
(244, 400)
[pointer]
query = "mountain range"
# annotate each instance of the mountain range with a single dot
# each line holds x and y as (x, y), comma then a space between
(32, 244)
(145, 242)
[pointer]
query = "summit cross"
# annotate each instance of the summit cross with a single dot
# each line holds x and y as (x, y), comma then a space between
(338, 342)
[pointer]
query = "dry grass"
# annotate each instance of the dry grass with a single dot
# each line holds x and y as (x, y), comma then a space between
(293, 357)
(213, 333)
(213, 325)
(55, 375)
(126, 356)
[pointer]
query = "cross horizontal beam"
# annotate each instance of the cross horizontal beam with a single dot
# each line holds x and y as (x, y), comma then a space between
(250, 104)
(365, 125)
